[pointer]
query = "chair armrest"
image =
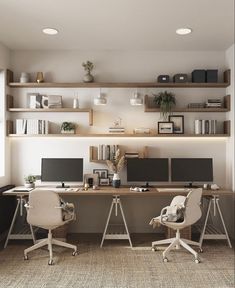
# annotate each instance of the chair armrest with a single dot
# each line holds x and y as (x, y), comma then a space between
(163, 214)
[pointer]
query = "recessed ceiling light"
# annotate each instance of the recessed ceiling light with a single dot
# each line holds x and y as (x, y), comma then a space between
(183, 31)
(50, 31)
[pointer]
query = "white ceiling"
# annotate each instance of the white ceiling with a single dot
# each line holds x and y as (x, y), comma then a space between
(117, 24)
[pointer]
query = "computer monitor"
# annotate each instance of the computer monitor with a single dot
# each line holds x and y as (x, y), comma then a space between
(191, 170)
(62, 169)
(147, 170)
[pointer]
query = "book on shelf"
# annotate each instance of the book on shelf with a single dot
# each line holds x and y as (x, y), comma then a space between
(106, 152)
(32, 126)
(205, 127)
(116, 129)
(196, 105)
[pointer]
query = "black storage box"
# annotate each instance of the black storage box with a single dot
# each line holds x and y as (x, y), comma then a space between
(163, 79)
(212, 76)
(180, 78)
(199, 76)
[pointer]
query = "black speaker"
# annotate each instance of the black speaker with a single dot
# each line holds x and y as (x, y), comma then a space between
(212, 76)
(180, 78)
(163, 79)
(199, 76)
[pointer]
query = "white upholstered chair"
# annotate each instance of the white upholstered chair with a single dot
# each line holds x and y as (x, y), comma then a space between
(191, 214)
(44, 210)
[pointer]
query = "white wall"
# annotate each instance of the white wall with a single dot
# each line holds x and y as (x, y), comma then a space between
(114, 66)
(4, 146)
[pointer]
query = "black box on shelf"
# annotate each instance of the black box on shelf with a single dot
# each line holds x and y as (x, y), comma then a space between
(199, 76)
(212, 76)
(163, 79)
(180, 78)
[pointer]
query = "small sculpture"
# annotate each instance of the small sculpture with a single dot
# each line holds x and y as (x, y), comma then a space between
(88, 66)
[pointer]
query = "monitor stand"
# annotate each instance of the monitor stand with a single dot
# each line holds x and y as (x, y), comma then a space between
(146, 185)
(62, 185)
(190, 185)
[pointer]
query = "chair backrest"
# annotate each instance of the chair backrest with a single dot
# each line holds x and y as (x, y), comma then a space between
(43, 209)
(192, 206)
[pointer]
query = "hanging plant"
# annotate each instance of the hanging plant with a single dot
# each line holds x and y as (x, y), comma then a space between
(165, 101)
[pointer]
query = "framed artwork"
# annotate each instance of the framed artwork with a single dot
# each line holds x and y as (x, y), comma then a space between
(91, 179)
(104, 181)
(165, 127)
(102, 173)
(178, 126)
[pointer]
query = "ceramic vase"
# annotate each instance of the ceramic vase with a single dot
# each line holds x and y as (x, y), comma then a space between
(88, 78)
(116, 180)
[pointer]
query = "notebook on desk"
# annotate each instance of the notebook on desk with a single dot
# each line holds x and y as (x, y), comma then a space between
(22, 189)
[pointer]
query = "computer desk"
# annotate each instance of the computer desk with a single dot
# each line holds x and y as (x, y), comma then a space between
(117, 193)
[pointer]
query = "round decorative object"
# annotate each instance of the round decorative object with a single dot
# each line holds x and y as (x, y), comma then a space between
(116, 181)
(88, 78)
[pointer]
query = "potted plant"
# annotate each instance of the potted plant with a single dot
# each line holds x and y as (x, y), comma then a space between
(88, 66)
(30, 181)
(165, 101)
(68, 127)
(115, 166)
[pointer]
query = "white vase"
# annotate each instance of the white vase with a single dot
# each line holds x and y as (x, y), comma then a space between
(29, 185)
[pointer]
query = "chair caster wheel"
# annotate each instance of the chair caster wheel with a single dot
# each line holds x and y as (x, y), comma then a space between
(26, 257)
(165, 260)
(197, 261)
(75, 253)
(154, 249)
(200, 250)
(50, 262)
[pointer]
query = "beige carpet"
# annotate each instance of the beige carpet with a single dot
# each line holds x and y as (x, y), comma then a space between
(116, 266)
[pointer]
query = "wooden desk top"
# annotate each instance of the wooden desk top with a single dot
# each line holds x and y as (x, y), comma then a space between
(122, 191)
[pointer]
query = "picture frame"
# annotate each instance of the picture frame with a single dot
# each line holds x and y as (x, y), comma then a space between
(102, 173)
(178, 126)
(104, 181)
(95, 178)
(165, 127)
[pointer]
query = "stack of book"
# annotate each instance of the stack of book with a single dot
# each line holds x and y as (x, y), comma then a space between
(131, 155)
(31, 126)
(214, 103)
(205, 126)
(116, 129)
(106, 152)
(196, 105)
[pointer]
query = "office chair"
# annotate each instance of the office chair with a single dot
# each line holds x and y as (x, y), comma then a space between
(44, 210)
(191, 213)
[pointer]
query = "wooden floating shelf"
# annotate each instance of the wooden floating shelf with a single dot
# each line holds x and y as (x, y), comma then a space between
(226, 108)
(224, 84)
(124, 135)
(118, 85)
(49, 110)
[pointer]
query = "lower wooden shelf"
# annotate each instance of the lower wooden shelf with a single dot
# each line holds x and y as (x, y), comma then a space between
(124, 135)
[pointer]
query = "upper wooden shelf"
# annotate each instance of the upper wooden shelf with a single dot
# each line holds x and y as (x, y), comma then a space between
(12, 84)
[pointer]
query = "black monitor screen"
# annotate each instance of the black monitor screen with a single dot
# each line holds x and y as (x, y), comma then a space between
(62, 169)
(192, 169)
(147, 169)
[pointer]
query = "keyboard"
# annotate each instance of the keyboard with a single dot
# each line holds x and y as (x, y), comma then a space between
(173, 189)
